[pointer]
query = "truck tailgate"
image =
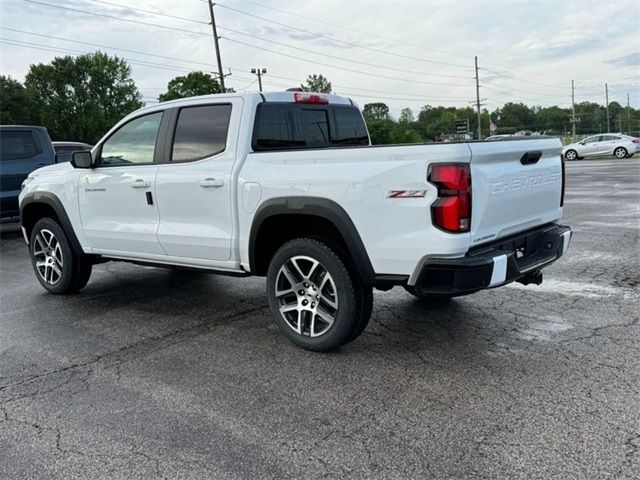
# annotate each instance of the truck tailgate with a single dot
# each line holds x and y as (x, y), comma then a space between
(516, 185)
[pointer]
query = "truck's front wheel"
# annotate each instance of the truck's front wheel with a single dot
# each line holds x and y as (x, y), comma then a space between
(317, 303)
(58, 268)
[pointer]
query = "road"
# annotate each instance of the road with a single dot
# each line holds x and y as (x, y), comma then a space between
(150, 373)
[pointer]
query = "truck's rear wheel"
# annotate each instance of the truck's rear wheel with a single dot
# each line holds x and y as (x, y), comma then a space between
(57, 267)
(315, 300)
(433, 299)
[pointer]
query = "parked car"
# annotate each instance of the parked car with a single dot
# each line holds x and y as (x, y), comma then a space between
(616, 144)
(286, 185)
(22, 150)
(65, 149)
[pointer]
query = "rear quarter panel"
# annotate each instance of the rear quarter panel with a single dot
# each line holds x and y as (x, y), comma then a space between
(396, 232)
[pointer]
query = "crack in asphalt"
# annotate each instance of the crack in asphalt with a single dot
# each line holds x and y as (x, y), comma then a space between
(145, 342)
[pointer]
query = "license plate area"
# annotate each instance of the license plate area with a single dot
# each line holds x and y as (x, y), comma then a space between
(529, 249)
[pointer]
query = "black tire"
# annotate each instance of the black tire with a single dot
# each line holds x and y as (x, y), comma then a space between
(431, 299)
(620, 153)
(67, 272)
(571, 155)
(332, 280)
(363, 317)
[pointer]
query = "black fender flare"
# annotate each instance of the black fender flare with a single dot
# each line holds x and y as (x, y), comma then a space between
(319, 207)
(51, 200)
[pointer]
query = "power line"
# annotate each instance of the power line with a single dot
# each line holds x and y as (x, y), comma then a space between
(115, 17)
(236, 77)
(358, 62)
(353, 44)
(394, 40)
(127, 7)
(138, 52)
(344, 42)
(288, 55)
(37, 46)
(504, 75)
(361, 32)
(359, 72)
(484, 85)
(262, 48)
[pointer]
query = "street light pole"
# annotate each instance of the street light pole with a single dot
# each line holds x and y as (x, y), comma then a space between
(259, 72)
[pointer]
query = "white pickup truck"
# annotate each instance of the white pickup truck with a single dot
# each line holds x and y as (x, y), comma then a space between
(286, 185)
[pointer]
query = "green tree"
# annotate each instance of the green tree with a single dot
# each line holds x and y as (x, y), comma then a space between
(406, 116)
(515, 115)
(552, 120)
(80, 98)
(191, 85)
(380, 131)
(317, 83)
(16, 105)
(404, 134)
(376, 111)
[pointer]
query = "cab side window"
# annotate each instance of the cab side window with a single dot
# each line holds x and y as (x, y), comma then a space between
(201, 132)
(133, 144)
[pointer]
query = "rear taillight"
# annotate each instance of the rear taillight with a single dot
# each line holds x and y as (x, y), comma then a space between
(563, 181)
(452, 210)
(310, 98)
(635, 140)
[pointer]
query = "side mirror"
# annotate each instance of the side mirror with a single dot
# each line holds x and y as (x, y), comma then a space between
(81, 159)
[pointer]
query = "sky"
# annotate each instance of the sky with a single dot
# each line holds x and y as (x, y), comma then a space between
(404, 53)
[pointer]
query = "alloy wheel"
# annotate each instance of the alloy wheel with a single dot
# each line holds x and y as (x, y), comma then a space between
(307, 296)
(620, 153)
(571, 155)
(48, 256)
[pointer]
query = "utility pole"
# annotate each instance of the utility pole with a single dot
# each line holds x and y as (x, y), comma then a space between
(217, 46)
(259, 72)
(606, 96)
(628, 117)
(573, 113)
(478, 101)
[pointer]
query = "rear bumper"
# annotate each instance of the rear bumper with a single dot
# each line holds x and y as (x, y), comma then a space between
(516, 258)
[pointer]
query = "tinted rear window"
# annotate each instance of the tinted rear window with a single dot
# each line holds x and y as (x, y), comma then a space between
(288, 126)
(15, 144)
(201, 132)
(347, 127)
(315, 127)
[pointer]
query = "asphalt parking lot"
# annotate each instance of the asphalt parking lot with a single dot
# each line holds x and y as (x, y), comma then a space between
(150, 373)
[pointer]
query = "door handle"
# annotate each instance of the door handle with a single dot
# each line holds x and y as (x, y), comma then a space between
(140, 184)
(530, 158)
(211, 183)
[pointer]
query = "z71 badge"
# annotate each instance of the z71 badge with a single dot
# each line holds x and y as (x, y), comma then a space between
(407, 194)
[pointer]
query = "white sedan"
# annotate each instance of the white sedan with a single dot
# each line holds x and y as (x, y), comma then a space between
(616, 144)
